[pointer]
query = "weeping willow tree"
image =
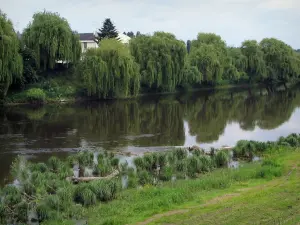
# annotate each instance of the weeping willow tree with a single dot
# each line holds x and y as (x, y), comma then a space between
(11, 65)
(161, 58)
(256, 66)
(281, 60)
(110, 71)
(209, 55)
(236, 64)
(51, 38)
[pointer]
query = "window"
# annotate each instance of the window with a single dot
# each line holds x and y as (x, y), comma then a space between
(84, 45)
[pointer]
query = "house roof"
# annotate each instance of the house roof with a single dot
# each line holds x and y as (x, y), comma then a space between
(86, 37)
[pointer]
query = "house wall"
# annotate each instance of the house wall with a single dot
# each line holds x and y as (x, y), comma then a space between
(89, 44)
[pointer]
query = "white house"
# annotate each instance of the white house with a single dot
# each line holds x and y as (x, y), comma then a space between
(87, 40)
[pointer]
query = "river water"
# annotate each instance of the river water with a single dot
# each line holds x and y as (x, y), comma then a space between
(152, 123)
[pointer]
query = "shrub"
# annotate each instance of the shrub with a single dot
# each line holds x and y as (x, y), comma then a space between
(35, 95)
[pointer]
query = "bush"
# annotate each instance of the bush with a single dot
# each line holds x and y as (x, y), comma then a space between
(35, 95)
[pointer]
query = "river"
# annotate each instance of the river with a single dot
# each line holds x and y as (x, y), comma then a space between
(152, 123)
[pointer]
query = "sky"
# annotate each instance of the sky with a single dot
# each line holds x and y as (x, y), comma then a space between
(234, 20)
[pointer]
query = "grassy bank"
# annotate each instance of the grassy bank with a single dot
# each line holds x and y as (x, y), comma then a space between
(264, 202)
(238, 192)
(158, 182)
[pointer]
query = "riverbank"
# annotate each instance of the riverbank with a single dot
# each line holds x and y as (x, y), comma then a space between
(62, 90)
(124, 192)
(254, 192)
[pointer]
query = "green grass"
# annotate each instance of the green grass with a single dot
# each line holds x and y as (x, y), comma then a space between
(273, 202)
(268, 186)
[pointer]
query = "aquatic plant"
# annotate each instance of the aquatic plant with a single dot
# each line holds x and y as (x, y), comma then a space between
(193, 166)
(84, 195)
(85, 158)
(162, 159)
(54, 163)
(244, 149)
(40, 167)
(115, 162)
(221, 159)
(166, 173)
(149, 162)
(198, 152)
(144, 178)
(132, 181)
(181, 166)
(139, 163)
(180, 153)
(206, 163)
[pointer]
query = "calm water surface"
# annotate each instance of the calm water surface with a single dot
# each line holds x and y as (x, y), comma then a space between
(153, 123)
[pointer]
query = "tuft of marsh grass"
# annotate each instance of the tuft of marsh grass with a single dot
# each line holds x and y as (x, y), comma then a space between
(221, 159)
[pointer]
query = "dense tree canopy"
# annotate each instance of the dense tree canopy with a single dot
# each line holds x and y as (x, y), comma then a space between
(108, 31)
(256, 67)
(110, 71)
(52, 39)
(161, 58)
(282, 62)
(10, 59)
(158, 62)
(208, 54)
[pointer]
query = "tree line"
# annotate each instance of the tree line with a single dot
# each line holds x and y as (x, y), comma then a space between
(156, 63)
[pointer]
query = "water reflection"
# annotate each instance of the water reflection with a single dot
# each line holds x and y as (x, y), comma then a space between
(151, 123)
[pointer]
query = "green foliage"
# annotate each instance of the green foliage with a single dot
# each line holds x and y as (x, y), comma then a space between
(208, 54)
(282, 62)
(221, 159)
(84, 195)
(144, 178)
(161, 58)
(110, 71)
(11, 66)
(51, 39)
(108, 31)
(35, 95)
(256, 66)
